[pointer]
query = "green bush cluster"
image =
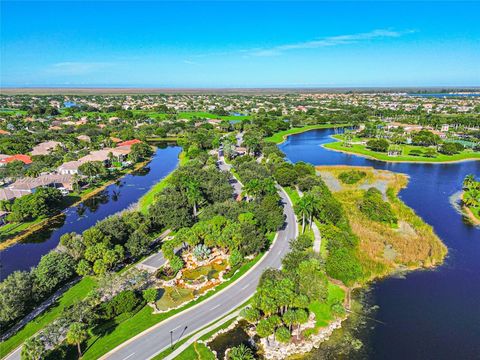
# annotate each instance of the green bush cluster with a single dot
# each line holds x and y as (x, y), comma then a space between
(352, 176)
(375, 208)
(124, 302)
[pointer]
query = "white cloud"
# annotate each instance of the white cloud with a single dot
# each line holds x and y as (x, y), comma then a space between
(327, 41)
(77, 68)
(190, 62)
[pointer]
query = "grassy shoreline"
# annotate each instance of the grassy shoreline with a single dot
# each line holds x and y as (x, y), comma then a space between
(281, 136)
(361, 150)
(469, 213)
(383, 249)
(147, 199)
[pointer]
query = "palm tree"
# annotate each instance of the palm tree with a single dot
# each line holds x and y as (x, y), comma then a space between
(314, 204)
(472, 198)
(301, 317)
(251, 189)
(469, 181)
(302, 208)
(194, 195)
(33, 349)
(289, 318)
(240, 352)
(76, 182)
(76, 335)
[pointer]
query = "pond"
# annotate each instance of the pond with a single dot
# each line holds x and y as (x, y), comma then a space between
(234, 337)
(116, 197)
(431, 314)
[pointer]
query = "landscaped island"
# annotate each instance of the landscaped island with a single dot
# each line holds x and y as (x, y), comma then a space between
(470, 199)
(400, 143)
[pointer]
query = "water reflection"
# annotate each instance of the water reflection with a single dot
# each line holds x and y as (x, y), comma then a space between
(114, 198)
(428, 314)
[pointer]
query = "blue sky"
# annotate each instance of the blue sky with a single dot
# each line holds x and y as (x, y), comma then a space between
(232, 44)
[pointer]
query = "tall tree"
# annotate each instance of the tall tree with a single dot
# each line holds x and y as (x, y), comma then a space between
(77, 334)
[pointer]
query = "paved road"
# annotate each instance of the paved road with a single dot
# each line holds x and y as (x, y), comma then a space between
(157, 339)
(222, 165)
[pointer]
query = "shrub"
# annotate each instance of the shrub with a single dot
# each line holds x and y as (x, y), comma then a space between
(282, 334)
(415, 152)
(373, 206)
(201, 252)
(125, 301)
(342, 264)
(352, 176)
(236, 258)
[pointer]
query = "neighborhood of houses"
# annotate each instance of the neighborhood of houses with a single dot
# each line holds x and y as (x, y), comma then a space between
(63, 177)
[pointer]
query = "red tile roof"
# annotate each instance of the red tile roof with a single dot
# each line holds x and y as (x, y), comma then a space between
(129, 142)
(23, 158)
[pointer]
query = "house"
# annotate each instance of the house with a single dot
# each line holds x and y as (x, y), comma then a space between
(69, 168)
(45, 148)
(4, 132)
(240, 150)
(9, 195)
(27, 185)
(214, 122)
(394, 151)
(85, 138)
(27, 160)
(129, 143)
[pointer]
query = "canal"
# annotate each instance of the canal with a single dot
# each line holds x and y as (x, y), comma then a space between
(116, 197)
(428, 314)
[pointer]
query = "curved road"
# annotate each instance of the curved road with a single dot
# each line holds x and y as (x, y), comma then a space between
(156, 339)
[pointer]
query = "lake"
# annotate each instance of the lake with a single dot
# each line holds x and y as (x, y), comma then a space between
(429, 314)
(116, 197)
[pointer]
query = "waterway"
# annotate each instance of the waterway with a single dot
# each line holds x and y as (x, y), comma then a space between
(428, 314)
(116, 197)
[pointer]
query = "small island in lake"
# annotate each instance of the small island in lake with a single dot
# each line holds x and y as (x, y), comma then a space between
(470, 199)
(390, 235)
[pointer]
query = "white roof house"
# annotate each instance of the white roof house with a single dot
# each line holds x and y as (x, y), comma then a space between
(45, 148)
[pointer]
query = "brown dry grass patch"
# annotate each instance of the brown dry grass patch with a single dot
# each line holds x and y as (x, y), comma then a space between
(382, 248)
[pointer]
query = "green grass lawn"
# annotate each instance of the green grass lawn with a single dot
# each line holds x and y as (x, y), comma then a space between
(144, 319)
(12, 229)
(147, 199)
(292, 194)
(196, 351)
(191, 114)
(282, 135)
(75, 293)
(362, 150)
(173, 297)
(322, 311)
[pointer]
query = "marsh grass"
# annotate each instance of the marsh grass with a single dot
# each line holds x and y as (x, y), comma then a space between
(384, 249)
